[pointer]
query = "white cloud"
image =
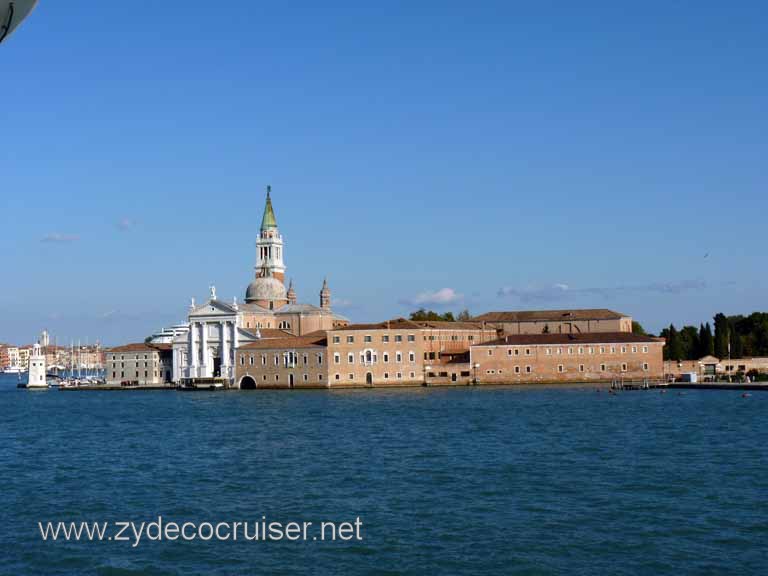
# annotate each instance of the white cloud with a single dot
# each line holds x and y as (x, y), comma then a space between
(60, 238)
(442, 297)
(125, 224)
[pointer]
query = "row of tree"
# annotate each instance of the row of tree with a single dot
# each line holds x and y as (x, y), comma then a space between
(733, 336)
(430, 315)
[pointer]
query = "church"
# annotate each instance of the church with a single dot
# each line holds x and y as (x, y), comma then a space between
(217, 328)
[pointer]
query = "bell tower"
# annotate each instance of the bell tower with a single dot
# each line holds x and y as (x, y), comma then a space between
(269, 245)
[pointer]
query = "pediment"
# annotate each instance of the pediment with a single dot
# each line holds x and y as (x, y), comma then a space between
(213, 308)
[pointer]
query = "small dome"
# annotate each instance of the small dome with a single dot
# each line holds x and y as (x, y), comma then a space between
(265, 288)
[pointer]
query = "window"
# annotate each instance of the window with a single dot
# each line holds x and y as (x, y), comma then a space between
(623, 349)
(336, 339)
(264, 378)
(320, 359)
(411, 338)
(277, 360)
(490, 371)
(624, 367)
(560, 368)
(337, 376)
(413, 374)
(350, 339)
(528, 369)
(263, 359)
(490, 352)
(306, 377)
(386, 356)
(570, 350)
(399, 375)
(398, 357)
(581, 367)
(386, 375)
(548, 351)
(398, 338)
(581, 350)
(350, 358)
(559, 350)
(590, 350)
(351, 376)
(602, 367)
(277, 377)
(385, 338)
(509, 352)
(517, 369)
(320, 377)
(517, 352)
(367, 339)
(242, 360)
(634, 349)
(645, 349)
(602, 349)
(527, 351)
(336, 358)
(645, 366)
(411, 357)
(613, 349)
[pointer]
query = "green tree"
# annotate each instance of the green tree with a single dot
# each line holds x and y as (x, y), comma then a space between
(464, 316)
(722, 334)
(706, 341)
(673, 350)
(423, 315)
(638, 329)
(689, 342)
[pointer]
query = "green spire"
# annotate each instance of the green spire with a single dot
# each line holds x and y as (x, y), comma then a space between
(268, 220)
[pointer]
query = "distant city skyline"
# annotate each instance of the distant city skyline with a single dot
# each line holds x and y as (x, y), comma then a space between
(432, 155)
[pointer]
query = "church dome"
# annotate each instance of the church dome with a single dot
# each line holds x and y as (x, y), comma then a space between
(265, 288)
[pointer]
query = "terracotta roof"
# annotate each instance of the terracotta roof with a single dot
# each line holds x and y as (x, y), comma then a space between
(458, 325)
(273, 333)
(312, 340)
(396, 324)
(550, 315)
(140, 347)
(579, 338)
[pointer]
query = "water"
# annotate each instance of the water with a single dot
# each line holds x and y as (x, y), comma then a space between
(446, 481)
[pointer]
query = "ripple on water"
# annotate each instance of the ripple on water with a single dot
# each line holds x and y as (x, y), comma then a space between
(456, 481)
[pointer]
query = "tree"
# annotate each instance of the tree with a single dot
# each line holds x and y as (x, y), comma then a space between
(673, 350)
(464, 316)
(422, 315)
(722, 335)
(706, 341)
(689, 342)
(638, 329)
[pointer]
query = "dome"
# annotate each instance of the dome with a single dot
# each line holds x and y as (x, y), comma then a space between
(265, 288)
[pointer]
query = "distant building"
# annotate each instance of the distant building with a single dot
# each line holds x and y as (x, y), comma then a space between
(558, 321)
(711, 367)
(216, 329)
(593, 357)
(139, 365)
(5, 358)
(392, 353)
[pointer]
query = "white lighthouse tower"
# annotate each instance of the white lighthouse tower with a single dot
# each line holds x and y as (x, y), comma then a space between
(37, 368)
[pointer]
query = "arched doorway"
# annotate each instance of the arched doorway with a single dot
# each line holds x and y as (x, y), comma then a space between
(247, 383)
(369, 378)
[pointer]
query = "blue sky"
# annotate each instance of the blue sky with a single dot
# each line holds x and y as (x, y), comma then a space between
(488, 155)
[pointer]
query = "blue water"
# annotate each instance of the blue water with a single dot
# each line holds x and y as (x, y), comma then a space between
(551, 480)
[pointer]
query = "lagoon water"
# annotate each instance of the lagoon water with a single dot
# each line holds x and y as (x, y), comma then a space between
(552, 480)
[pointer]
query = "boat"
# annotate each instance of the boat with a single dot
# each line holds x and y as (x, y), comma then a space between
(14, 370)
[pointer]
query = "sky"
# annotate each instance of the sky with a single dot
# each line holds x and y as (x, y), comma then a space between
(488, 155)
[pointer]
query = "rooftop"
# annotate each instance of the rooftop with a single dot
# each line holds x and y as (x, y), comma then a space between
(312, 340)
(580, 338)
(140, 347)
(550, 315)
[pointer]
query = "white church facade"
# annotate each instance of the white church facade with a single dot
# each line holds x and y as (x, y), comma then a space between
(204, 354)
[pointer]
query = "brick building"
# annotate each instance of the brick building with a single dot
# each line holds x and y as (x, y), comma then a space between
(139, 365)
(594, 357)
(558, 321)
